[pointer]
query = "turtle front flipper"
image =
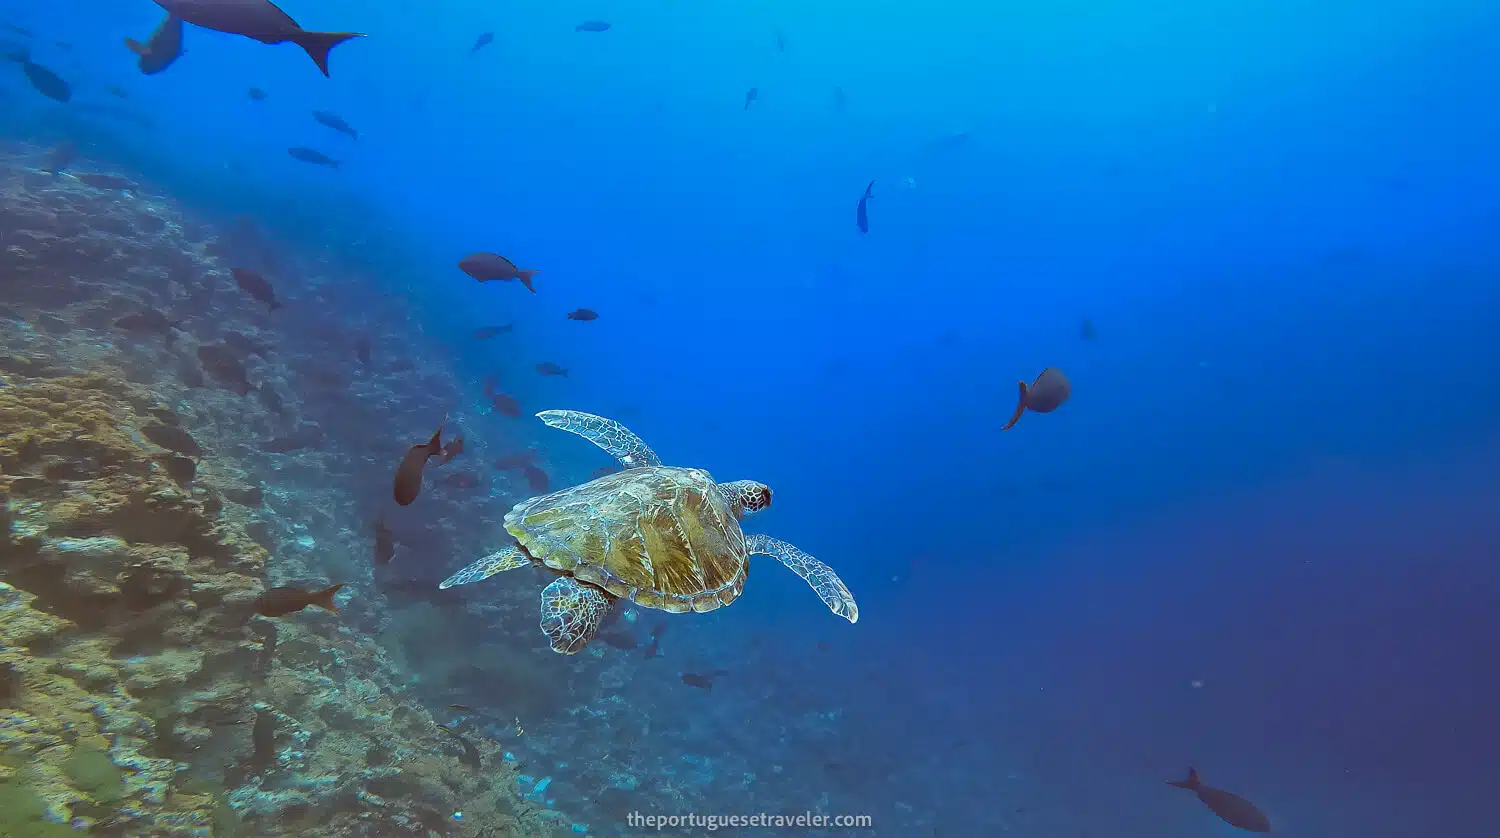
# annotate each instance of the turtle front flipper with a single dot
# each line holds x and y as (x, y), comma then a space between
(830, 587)
(629, 449)
(508, 559)
(571, 613)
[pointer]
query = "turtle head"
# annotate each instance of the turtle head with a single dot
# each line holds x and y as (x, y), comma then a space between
(746, 496)
(571, 614)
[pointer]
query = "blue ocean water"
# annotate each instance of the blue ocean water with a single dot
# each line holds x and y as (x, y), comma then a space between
(1258, 238)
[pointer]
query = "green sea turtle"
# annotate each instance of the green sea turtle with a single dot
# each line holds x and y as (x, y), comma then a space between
(662, 537)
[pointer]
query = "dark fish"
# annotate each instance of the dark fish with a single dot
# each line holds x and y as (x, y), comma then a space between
(536, 479)
(704, 681)
(1046, 394)
(549, 368)
(861, 215)
(307, 155)
(451, 450)
(150, 321)
(602, 471)
(409, 474)
(461, 480)
(471, 753)
(61, 155)
(173, 439)
(385, 543)
(823, 646)
(25, 33)
(1231, 808)
(583, 314)
(116, 91)
(461, 707)
(487, 332)
(1087, 331)
(484, 40)
(592, 26)
(750, 96)
(272, 400)
(182, 470)
(505, 404)
(161, 49)
(653, 648)
(258, 20)
(257, 286)
(45, 81)
(288, 599)
(516, 461)
(256, 94)
(222, 365)
(362, 349)
(263, 741)
(336, 122)
(105, 182)
(486, 267)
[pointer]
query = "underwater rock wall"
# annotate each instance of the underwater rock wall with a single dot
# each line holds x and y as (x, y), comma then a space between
(139, 694)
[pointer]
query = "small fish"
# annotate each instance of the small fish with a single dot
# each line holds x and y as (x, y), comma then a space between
(60, 156)
(336, 122)
(221, 364)
(258, 20)
(484, 40)
(25, 33)
(45, 81)
(583, 314)
(116, 91)
(161, 49)
(704, 681)
(1046, 394)
(308, 155)
(182, 470)
(654, 648)
(256, 94)
(107, 183)
(536, 479)
(750, 96)
(461, 480)
(549, 368)
(487, 332)
(1231, 808)
(505, 404)
(150, 321)
(385, 543)
(257, 286)
(1087, 331)
(487, 267)
(289, 599)
(471, 753)
(362, 349)
(451, 450)
(461, 708)
(173, 439)
(861, 215)
(592, 26)
(409, 474)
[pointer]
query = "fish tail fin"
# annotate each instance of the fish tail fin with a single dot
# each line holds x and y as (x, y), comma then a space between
(318, 44)
(1191, 783)
(324, 598)
(136, 46)
(436, 443)
(525, 277)
(1020, 408)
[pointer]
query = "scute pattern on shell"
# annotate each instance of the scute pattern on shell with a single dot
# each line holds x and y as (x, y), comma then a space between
(660, 536)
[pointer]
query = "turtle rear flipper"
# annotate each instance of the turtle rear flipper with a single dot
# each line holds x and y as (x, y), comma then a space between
(572, 613)
(830, 587)
(614, 438)
(508, 559)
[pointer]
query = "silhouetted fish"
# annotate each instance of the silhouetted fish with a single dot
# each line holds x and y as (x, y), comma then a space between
(45, 81)
(257, 286)
(861, 214)
(505, 404)
(259, 20)
(362, 349)
(1231, 808)
(484, 40)
(161, 49)
(583, 314)
(278, 602)
(487, 332)
(150, 321)
(385, 543)
(408, 482)
(487, 267)
(750, 96)
(116, 91)
(549, 368)
(222, 365)
(336, 122)
(592, 26)
(256, 94)
(1087, 331)
(308, 155)
(182, 470)
(471, 753)
(704, 681)
(536, 479)
(1046, 394)
(173, 439)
